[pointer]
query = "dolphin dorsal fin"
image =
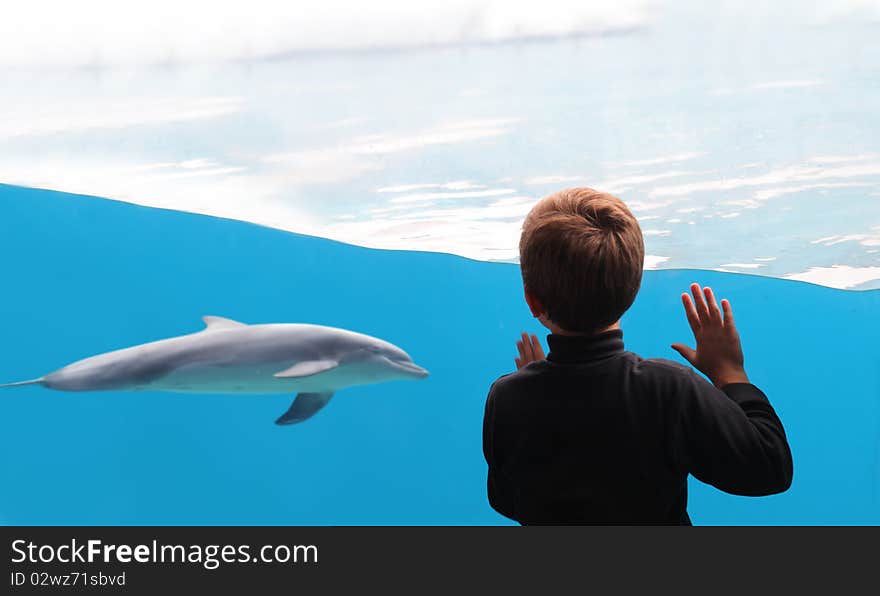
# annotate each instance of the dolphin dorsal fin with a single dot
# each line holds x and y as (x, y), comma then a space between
(215, 323)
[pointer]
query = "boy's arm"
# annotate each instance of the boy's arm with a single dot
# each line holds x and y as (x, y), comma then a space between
(495, 490)
(732, 439)
(729, 435)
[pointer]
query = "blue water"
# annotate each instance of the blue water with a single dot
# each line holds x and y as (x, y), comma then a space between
(83, 275)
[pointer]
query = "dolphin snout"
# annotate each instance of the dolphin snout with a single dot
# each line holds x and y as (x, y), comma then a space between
(413, 369)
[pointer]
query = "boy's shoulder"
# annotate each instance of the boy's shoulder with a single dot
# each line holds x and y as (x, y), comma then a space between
(664, 372)
(650, 370)
(518, 377)
(662, 366)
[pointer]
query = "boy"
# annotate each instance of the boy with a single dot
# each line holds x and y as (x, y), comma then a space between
(594, 434)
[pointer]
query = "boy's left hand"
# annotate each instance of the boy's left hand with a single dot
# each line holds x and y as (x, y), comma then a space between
(530, 350)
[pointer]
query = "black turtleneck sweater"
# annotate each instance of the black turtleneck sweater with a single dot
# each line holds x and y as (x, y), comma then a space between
(595, 434)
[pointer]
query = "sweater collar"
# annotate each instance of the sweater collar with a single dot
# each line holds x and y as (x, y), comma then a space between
(584, 348)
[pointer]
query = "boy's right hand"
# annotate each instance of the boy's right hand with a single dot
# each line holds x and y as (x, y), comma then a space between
(719, 353)
(529, 349)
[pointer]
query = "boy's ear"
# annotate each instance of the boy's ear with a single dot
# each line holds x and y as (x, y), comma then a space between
(534, 304)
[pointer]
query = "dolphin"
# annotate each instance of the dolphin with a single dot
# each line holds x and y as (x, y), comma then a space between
(231, 357)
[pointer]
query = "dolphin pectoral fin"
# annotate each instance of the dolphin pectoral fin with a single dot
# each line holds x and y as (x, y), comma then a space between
(215, 323)
(304, 406)
(306, 368)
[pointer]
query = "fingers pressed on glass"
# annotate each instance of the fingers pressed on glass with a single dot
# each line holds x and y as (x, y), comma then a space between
(699, 303)
(728, 312)
(714, 311)
(527, 347)
(690, 312)
(537, 349)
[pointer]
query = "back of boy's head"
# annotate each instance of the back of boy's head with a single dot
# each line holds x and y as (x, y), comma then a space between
(582, 254)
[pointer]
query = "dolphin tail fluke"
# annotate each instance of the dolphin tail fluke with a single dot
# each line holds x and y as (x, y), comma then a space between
(304, 406)
(22, 383)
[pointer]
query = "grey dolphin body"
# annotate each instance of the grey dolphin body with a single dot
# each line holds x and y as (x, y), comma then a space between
(231, 357)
